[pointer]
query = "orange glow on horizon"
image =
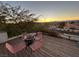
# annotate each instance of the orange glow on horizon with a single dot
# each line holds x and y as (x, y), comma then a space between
(57, 19)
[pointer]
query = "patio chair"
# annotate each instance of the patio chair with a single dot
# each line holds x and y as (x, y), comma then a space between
(15, 45)
(38, 43)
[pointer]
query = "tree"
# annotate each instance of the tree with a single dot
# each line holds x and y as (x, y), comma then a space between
(15, 14)
(62, 24)
(3, 12)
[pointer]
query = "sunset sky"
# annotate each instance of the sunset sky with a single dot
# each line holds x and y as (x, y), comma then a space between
(51, 10)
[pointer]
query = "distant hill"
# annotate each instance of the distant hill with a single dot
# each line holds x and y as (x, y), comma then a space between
(73, 21)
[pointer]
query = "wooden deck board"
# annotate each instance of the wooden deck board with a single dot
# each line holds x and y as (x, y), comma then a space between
(53, 47)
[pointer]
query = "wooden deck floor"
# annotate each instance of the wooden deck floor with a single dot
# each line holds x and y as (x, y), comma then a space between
(53, 47)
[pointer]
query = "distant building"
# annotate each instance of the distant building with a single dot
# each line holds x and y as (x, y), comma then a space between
(72, 25)
(65, 25)
(54, 25)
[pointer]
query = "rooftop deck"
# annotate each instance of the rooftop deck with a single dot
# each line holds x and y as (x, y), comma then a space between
(53, 47)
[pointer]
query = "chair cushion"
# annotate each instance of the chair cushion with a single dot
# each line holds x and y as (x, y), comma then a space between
(15, 45)
(36, 45)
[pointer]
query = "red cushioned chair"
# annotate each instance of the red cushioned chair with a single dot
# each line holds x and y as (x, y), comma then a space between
(38, 43)
(15, 45)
